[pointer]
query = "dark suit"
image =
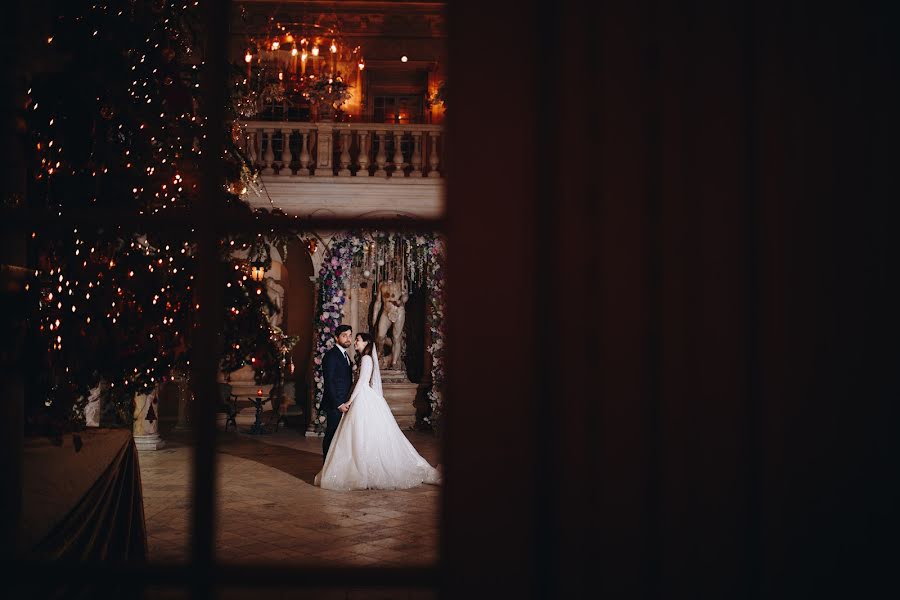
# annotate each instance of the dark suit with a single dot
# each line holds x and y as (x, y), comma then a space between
(338, 382)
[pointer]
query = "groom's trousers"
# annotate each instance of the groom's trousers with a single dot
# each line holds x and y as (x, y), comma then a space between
(332, 419)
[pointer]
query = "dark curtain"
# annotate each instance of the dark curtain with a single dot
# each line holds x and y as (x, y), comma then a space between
(699, 397)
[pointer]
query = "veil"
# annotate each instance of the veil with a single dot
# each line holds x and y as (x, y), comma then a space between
(376, 372)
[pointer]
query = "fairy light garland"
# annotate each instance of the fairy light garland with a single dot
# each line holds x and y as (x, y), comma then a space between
(115, 304)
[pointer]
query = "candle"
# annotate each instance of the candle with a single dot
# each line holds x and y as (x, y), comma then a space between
(333, 57)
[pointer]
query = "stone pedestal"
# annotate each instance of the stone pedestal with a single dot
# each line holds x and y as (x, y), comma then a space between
(146, 422)
(149, 442)
(400, 395)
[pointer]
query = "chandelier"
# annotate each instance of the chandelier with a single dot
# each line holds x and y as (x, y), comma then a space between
(295, 62)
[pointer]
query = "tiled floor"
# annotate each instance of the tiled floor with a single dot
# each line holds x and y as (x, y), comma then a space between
(270, 512)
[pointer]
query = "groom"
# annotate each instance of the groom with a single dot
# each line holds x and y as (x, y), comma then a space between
(338, 376)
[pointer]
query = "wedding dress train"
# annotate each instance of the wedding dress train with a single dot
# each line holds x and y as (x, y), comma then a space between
(369, 451)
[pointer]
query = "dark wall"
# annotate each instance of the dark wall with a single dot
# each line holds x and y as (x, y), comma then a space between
(298, 317)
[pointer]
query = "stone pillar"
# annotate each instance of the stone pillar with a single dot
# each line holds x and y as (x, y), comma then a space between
(380, 156)
(269, 155)
(304, 153)
(434, 158)
(345, 153)
(146, 422)
(324, 151)
(286, 158)
(363, 159)
(416, 159)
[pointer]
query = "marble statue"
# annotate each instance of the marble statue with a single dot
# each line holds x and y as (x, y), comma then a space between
(390, 312)
(93, 408)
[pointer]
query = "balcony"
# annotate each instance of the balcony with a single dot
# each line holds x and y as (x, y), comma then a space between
(342, 169)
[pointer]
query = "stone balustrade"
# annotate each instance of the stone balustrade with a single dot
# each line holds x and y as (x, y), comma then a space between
(326, 149)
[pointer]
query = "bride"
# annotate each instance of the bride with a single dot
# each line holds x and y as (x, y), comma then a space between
(369, 451)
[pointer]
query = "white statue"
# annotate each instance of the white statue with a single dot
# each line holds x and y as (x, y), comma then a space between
(93, 407)
(392, 296)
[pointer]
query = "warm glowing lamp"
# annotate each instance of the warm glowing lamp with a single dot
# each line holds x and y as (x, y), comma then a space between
(257, 273)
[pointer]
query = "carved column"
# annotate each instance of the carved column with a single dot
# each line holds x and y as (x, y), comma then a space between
(398, 155)
(363, 140)
(324, 151)
(345, 154)
(304, 154)
(433, 160)
(416, 159)
(286, 157)
(269, 156)
(380, 157)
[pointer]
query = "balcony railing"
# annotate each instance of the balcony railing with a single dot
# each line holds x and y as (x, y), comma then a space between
(325, 149)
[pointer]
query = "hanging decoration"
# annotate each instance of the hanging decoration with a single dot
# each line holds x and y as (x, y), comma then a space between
(417, 258)
(294, 63)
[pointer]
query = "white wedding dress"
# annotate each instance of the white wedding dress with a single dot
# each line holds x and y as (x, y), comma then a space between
(368, 450)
